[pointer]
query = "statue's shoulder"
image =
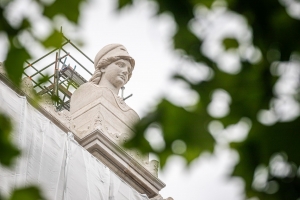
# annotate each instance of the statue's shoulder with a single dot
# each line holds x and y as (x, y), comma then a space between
(83, 89)
(120, 104)
(89, 93)
(84, 95)
(86, 87)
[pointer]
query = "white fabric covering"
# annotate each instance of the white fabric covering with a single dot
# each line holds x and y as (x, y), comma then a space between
(53, 160)
(119, 190)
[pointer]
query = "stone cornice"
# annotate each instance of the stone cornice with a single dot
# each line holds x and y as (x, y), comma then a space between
(119, 161)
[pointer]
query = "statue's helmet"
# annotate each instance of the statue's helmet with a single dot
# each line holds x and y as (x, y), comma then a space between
(111, 51)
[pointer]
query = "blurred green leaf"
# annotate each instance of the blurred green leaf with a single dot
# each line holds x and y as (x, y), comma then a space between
(230, 43)
(35, 96)
(5, 26)
(55, 39)
(206, 3)
(25, 24)
(14, 63)
(43, 79)
(26, 193)
(270, 23)
(55, 98)
(8, 151)
(71, 10)
(123, 3)
(185, 40)
(182, 10)
(264, 142)
(177, 124)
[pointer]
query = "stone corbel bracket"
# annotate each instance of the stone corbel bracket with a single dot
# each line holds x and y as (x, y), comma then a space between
(121, 163)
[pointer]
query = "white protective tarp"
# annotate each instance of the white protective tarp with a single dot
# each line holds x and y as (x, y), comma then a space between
(53, 160)
(119, 190)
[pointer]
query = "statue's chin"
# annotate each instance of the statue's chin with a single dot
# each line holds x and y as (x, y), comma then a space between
(118, 83)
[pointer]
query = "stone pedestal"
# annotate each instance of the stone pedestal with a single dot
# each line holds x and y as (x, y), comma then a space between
(94, 107)
(132, 170)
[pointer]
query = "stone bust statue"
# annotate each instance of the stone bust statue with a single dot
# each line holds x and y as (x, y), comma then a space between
(96, 107)
(96, 104)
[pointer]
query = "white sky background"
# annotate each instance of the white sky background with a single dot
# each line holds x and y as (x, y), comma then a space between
(147, 39)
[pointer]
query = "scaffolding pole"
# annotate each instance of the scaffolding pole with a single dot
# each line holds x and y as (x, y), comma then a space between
(47, 66)
(56, 78)
(77, 62)
(78, 49)
(30, 64)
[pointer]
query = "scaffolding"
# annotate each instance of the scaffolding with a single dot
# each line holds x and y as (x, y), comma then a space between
(63, 79)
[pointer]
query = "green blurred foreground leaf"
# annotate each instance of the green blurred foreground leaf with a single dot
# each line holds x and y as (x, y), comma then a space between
(70, 10)
(14, 63)
(8, 151)
(230, 43)
(123, 3)
(54, 40)
(27, 193)
(177, 125)
(262, 144)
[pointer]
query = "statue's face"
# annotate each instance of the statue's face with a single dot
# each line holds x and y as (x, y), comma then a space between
(117, 72)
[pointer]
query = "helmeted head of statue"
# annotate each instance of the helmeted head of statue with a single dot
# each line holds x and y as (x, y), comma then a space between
(107, 55)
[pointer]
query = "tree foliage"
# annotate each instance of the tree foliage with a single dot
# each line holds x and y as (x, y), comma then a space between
(26, 193)
(269, 146)
(8, 150)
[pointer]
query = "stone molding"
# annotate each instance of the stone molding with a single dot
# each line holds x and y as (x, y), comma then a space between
(159, 197)
(123, 164)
